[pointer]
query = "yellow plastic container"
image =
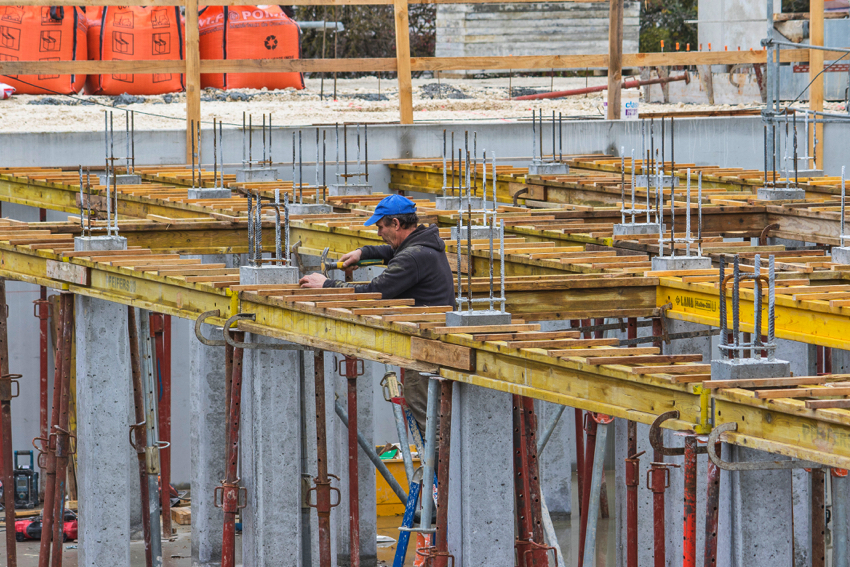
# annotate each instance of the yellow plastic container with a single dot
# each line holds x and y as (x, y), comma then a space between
(388, 502)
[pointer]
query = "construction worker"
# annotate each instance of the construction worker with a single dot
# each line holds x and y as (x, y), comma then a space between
(417, 268)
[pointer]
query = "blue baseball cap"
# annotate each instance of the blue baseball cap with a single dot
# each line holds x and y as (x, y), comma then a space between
(392, 205)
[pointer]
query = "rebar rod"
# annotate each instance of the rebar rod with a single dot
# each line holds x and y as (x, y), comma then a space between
(286, 228)
(843, 194)
(250, 229)
(736, 286)
(756, 352)
(771, 312)
(533, 135)
(258, 229)
(723, 321)
(345, 152)
(444, 162)
(623, 184)
(366, 151)
(277, 252)
(633, 186)
(699, 213)
(300, 170)
(502, 260)
(492, 231)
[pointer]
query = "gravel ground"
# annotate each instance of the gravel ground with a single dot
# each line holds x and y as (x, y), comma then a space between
(366, 99)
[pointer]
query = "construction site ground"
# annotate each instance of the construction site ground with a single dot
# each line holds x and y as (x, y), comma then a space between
(367, 99)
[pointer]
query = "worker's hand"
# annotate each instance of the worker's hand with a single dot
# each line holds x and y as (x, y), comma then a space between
(314, 280)
(351, 258)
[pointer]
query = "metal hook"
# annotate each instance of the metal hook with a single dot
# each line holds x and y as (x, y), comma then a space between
(199, 321)
(259, 346)
(656, 438)
(714, 438)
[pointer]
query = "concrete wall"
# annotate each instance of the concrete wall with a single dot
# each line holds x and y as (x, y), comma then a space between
(733, 23)
(485, 30)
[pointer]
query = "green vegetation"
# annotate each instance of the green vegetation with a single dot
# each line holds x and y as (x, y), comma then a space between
(664, 20)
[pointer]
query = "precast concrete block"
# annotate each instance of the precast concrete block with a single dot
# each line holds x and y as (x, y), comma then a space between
(103, 407)
(647, 180)
(784, 194)
(208, 445)
(548, 169)
(748, 368)
(841, 254)
(661, 263)
(310, 209)
(99, 243)
(209, 193)
(123, 179)
(469, 318)
(450, 203)
(268, 274)
(342, 190)
(633, 228)
(254, 174)
(271, 456)
(478, 233)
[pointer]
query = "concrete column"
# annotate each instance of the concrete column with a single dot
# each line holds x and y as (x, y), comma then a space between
(103, 405)
(270, 448)
(558, 460)
(208, 447)
(366, 475)
(486, 476)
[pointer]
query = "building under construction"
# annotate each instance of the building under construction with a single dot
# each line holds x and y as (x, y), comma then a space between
(644, 362)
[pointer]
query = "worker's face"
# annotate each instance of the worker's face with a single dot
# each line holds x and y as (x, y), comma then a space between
(390, 231)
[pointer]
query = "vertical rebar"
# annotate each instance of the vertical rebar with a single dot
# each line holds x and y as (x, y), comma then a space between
(244, 150)
(82, 201)
(215, 154)
(271, 161)
(133, 139)
(358, 150)
(469, 250)
(495, 205)
(336, 163)
(722, 307)
(699, 213)
(453, 164)
(366, 151)
(300, 170)
(484, 181)
(533, 135)
(771, 305)
(258, 229)
(492, 231)
(345, 152)
(264, 138)
(127, 139)
(633, 185)
(221, 153)
(250, 140)
(796, 179)
(736, 287)
(106, 141)
(317, 166)
(672, 153)
(554, 149)
(843, 193)
(324, 164)
(672, 211)
(757, 288)
(474, 163)
(293, 164)
(623, 184)
(688, 216)
(444, 162)
(560, 137)
(88, 202)
(287, 252)
(250, 229)
(502, 260)
(459, 270)
(540, 133)
(277, 253)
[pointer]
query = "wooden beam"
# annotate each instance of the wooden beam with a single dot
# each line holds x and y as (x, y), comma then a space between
(615, 58)
(815, 68)
(193, 76)
(402, 52)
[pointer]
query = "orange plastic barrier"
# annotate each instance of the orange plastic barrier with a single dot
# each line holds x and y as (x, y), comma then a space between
(249, 32)
(136, 33)
(94, 14)
(43, 33)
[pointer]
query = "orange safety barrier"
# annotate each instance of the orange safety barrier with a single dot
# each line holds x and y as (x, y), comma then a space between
(43, 33)
(94, 14)
(129, 33)
(249, 32)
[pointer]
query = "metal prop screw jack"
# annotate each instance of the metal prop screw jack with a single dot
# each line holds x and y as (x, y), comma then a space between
(351, 368)
(230, 497)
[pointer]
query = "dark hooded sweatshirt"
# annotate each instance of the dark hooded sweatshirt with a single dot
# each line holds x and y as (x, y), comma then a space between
(417, 270)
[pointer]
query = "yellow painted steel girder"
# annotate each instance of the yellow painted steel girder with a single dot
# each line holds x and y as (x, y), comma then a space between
(812, 322)
(782, 426)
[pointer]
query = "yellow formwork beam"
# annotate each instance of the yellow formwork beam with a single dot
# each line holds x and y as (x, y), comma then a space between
(812, 322)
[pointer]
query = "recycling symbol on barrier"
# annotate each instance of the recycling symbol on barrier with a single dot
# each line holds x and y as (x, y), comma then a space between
(271, 42)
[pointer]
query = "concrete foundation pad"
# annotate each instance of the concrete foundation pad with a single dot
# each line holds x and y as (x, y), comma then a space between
(257, 275)
(748, 368)
(469, 318)
(455, 203)
(789, 194)
(126, 179)
(637, 228)
(203, 193)
(350, 189)
(666, 180)
(99, 243)
(310, 209)
(256, 174)
(552, 168)
(681, 263)
(478, 232)
(841, 255)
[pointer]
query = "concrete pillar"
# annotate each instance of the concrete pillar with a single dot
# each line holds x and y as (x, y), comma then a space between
(366, 476)
(270, 448)
(486, 480)
(558, 460)
(208, 447)
(103, 405)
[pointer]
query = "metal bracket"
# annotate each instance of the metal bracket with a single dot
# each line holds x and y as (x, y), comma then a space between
(199, 321)
(133, 441)
(228, 338)
(517, 195)
(714, 438)
(656, 437)
(6, 383)
(355, 365)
